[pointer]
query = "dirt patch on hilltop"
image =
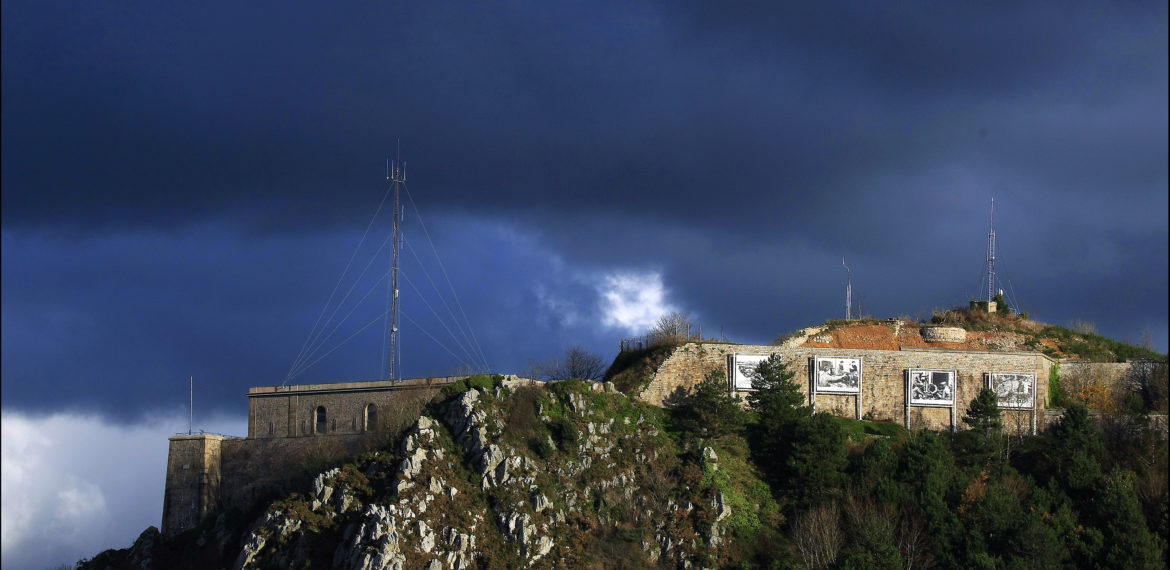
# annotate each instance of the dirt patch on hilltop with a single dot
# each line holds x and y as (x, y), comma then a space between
(861, 336)
(894, 335)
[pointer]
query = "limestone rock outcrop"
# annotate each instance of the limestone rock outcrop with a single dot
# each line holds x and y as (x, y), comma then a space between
(525, 477)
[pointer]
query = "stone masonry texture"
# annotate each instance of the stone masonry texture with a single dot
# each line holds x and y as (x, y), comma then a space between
(883, 383)
(193, 481)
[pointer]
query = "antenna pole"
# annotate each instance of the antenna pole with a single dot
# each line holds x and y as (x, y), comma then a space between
(398, 177)
(191, 405)
(991, 256)
(848, 291)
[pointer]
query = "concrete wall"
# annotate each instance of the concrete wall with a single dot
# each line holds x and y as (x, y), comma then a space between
(883, 394)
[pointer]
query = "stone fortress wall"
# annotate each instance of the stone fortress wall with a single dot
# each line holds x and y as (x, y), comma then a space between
(290, 427)
(883, 391)
(348, 407)
(206, 472)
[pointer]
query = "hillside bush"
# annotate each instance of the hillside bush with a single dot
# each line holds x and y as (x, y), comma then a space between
(482, 381)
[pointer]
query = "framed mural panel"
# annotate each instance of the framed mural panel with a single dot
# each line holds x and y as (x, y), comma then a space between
(839, 375)
(932, 387)
(743, 369)
(1015, 390)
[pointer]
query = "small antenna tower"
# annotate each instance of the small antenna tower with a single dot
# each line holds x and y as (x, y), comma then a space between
(848, 291)
(991, 256)
(395, 174)
(191, 405)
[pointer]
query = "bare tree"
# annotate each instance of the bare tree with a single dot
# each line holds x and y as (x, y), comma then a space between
(1083, 327)
(818, 536)
(912, 540)
(577, 363)
(672, 327)
(580, 363)
(1149, 379)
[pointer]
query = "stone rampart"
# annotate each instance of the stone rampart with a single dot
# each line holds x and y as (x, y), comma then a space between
(193, 481)
(883, 393)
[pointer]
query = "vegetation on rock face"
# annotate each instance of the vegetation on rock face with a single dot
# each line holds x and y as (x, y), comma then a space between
(632, 370)
(572, 475)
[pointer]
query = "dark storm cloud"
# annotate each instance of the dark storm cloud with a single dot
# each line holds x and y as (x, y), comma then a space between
(144, 115)
(741, 150)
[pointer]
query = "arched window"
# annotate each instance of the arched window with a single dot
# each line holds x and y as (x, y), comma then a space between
(371, 417)
(320, 424)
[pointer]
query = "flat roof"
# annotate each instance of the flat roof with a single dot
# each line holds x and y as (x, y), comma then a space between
(352, 386)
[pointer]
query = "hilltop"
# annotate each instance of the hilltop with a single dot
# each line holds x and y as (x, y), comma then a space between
(575, 474)
(982, 331)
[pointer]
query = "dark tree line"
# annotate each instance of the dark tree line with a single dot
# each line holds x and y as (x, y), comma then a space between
(1087, 493)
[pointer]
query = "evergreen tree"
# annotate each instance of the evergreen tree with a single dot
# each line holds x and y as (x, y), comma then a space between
(815, 464)
(711, 411)
(780, 404)
(775, 396)
(927, 467)
(1077, 452)
(983, 414)
(1129, 543)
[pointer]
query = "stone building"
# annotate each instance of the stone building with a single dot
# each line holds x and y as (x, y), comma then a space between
(928, 384)
(343, 408)
(286, 424)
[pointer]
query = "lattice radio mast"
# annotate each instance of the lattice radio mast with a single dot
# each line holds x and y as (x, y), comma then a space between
(991, 257)
(848, 291)
(395, 174)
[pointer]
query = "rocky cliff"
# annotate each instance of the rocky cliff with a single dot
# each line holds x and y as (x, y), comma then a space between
(572, 475)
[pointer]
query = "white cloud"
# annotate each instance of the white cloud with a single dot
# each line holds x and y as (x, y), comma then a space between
(633, 301)
(75, 485)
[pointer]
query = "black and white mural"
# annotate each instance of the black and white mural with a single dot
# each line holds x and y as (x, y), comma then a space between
(932, 387)
(842, 375)
(743, 369)
(1014, 389)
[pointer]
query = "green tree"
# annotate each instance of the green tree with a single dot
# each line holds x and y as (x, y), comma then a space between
(711, 410)
(874, 470)
(815, 463)
(1001, 304)
(1077, 450)
(872, 541)
(779, 404)
(1129, 541)
(775, 397)
(927, 467)
(1055, 391)
(983, 414)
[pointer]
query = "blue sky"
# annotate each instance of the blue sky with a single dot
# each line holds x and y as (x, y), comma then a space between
(183, 184)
